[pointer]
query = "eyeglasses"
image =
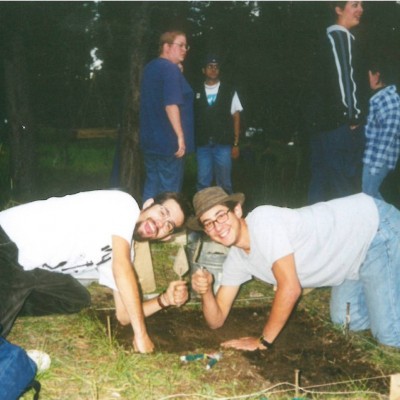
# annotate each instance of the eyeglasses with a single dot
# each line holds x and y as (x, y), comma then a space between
(169, 225)
(222, 217)
(182, 45)
(212, 66)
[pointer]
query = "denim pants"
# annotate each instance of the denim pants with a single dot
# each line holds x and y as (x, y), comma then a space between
(163, 174)
(375, 298)
(372, 183)
(214, 161)
(35, 292)
(17, 371)
(336, 163)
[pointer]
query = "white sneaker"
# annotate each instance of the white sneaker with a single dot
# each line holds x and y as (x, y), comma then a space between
(41, 359)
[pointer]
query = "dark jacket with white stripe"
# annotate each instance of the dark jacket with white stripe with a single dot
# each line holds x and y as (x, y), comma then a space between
(338, 94)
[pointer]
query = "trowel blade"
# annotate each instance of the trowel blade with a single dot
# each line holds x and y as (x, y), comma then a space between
(181, 265)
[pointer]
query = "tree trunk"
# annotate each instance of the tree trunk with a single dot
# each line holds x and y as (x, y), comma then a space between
(22, 137)
(132, 169)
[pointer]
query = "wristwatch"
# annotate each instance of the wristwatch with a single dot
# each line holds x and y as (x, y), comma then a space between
(265, 343)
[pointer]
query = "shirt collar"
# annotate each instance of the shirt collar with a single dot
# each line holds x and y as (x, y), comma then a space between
(390, 89)
(336, 27)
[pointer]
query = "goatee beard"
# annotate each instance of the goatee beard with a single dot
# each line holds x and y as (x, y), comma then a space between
(136, 235)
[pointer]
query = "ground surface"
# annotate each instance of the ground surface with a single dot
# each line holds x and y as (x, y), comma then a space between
(322, 355)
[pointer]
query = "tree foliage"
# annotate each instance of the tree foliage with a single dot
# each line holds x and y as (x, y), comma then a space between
(265, 47)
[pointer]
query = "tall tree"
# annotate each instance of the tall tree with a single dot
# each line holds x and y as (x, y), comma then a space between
(131, 162)
(22, 130)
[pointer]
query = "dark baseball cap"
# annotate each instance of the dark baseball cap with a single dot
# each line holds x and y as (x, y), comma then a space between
(211, 59)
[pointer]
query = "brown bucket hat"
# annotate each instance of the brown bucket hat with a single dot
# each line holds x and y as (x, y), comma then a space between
(208, 198)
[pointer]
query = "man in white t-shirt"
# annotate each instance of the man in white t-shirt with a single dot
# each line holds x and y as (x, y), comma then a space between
(351, 244)
(217, 127)
(47, 246)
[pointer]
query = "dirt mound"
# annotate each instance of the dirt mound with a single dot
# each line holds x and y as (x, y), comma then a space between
(322, 355)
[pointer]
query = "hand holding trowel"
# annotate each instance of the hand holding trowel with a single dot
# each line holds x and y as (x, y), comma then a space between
(181, 267)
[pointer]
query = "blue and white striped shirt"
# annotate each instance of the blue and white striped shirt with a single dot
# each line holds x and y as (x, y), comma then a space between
(382, 131)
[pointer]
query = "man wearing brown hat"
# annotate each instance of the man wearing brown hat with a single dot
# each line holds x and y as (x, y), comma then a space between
(351, 244)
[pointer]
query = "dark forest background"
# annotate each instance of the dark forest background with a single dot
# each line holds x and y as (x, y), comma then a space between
(266, 47)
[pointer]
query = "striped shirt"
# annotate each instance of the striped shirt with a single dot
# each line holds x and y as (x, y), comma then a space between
(382, 131)
(341, 41)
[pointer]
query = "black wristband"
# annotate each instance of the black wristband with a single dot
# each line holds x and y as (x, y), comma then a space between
(265, 343)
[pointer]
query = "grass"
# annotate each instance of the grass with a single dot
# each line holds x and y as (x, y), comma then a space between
(85, 365)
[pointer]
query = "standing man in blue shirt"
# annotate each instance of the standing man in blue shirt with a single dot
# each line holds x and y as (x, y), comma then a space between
(382, 131)
(166, 117)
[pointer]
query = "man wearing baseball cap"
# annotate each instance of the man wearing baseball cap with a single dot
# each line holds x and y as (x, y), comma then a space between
(351, 244)
(217, 127)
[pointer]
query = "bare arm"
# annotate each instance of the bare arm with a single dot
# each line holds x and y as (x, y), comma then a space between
(215, 309)
(176, 295)
(236, 131)
(127, 299)
(174, 117)
(286, 297)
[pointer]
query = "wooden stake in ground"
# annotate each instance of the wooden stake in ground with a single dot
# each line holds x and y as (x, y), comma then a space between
(109, 334)
(347, 324)
(297, 382)
(181, 265)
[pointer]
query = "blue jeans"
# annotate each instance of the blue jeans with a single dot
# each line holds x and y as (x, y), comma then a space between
(214, 161)
(372, 183)
(163, 174)
(375, 298)
(336, 162)
(17, 370)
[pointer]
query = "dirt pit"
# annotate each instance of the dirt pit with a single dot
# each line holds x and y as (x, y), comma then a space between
(322, 355)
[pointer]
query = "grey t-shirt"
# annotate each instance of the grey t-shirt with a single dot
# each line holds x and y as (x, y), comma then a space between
(329, 241)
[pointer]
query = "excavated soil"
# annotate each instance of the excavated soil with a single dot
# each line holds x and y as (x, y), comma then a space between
(321, 354)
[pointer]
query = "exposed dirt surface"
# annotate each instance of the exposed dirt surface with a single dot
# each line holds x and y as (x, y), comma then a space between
(323, 356)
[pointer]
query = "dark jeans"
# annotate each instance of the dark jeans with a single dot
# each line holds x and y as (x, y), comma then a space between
(214, 161)
(35, 292)
(163, 174)
(336, 163)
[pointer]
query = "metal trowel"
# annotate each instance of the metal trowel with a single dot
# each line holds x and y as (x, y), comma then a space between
(181, 265)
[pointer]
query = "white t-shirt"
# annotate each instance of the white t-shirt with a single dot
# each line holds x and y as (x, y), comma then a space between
(72, 234)
(212, 92)
(329, 242)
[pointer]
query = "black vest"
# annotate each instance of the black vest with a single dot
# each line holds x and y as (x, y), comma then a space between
(214, 121)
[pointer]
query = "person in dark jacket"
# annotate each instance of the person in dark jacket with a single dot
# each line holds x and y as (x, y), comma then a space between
(217, 128)
(336, 109)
